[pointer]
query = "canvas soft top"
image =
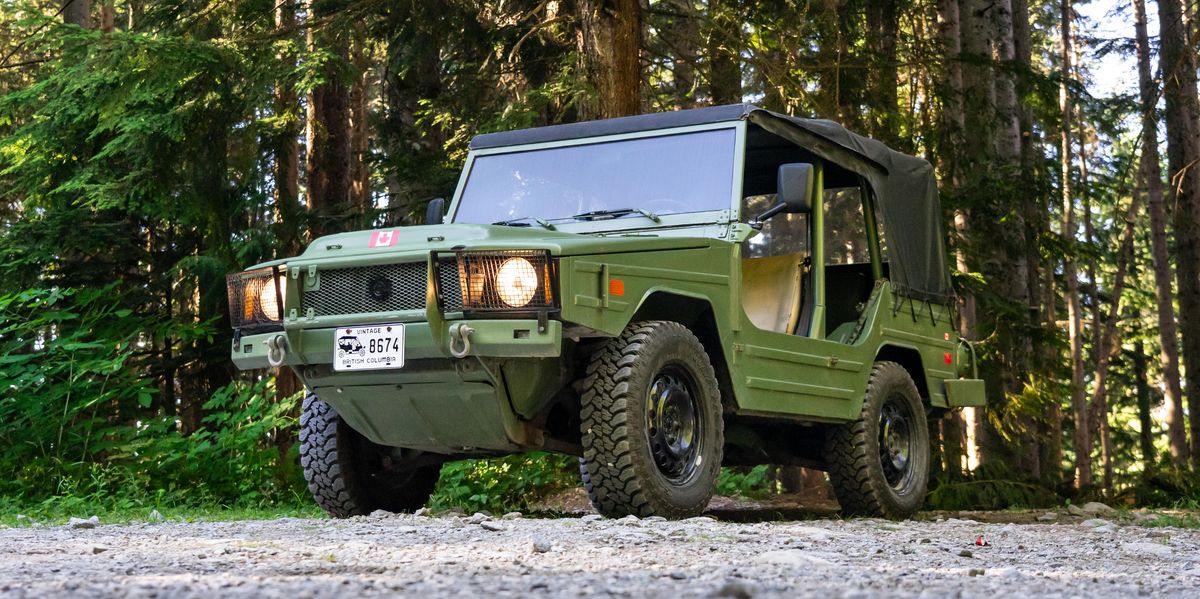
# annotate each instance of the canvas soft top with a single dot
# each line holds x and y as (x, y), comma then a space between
(904, 185)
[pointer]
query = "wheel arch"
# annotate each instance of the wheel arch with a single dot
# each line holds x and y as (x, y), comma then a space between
(696, 313)
(910, 359)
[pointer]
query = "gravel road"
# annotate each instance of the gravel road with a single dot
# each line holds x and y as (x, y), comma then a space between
(468, 556)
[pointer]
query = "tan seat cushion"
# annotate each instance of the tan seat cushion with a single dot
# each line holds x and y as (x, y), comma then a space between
(771, 291)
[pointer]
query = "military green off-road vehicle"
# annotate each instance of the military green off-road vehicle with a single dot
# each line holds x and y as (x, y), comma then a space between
(658, 295)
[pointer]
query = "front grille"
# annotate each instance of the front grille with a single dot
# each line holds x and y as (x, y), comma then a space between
(383, 288)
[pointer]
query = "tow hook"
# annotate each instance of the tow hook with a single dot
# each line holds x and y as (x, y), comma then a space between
(277, 350)
(460, 340)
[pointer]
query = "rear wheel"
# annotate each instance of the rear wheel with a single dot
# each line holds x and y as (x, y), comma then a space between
(879, 464)
(348, 475)
(652, 427)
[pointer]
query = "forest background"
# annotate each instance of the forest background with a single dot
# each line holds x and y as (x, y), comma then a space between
(147, 149)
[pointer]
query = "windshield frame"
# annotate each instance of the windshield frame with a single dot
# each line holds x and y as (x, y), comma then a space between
(633, 222)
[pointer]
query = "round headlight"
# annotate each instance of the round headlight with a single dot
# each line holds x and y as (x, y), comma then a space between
(268, 301)
(516, 282)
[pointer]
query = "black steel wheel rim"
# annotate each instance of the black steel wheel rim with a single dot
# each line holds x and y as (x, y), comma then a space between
(896, 438)
(673, 424)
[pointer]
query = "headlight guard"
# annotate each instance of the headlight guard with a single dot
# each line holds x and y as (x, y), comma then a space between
(506, 281)
(256, 299)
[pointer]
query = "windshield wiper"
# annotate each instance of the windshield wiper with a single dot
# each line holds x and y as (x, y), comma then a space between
(518, 222)
(615, 213)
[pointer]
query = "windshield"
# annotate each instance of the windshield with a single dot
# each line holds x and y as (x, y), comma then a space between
(673, 174)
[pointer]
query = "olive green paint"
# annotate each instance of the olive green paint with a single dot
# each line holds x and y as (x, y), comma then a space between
(491, 400)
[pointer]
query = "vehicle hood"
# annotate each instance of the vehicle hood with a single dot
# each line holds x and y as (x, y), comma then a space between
(401, 241)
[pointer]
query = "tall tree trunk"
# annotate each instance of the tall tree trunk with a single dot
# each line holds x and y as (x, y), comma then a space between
(950, 143)
(610, 43)
(78, 12)
(1178, 61)
(327, 165)
(987, 240)
(1145, 419)
(883, 77)
(411, 75)
(1164, 295)
(1037, 225)
(287, 178)
(1109, 344)
(1015, 273)
(134, 16)
(683, 35)
(108, 16)
(1083, 444)
(359, 114)
(724, 53)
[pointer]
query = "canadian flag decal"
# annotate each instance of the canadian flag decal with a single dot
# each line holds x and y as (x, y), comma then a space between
(382, 239)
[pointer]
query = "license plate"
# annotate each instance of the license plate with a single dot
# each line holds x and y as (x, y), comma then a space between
(374, 347)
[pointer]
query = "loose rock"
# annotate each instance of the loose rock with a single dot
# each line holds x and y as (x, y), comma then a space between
(793, 557)
(735, 589)
(80, 523)
(1095, 508)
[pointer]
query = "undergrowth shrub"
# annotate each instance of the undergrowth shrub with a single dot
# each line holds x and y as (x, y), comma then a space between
(754, 482)
(990, 487)
(510, 483)
(77, 423)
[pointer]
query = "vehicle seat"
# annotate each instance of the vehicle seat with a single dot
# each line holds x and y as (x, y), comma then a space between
(771, 291)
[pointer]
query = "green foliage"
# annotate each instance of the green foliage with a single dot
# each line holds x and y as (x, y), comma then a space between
(1168, 487)
(505, 484)
(991, 487)
(76, 425)
(754, 482)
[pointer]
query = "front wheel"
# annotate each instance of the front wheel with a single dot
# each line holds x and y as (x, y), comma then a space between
(348, 475)
(879, 464)
(652, 428)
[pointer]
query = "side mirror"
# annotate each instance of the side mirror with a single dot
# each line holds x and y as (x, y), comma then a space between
(794, 191)
(795, 186)
(435, 211)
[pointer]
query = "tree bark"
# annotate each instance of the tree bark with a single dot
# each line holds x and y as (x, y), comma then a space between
(108, 16)
(681, 33)
(327, 164)
(724, 49)
(359, 115)
(1083, 444)
(610, 42)
(1146, 421)
(1164, 294)
(1110, 343)
(883, 77)
(78, 12)
(287, 178)
(1178, 61)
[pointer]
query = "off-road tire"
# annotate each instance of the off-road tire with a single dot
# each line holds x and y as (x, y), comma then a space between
(619, 467)
(852, 451)
(346, 472)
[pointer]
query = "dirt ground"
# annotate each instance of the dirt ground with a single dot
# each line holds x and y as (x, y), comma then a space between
(740, 550)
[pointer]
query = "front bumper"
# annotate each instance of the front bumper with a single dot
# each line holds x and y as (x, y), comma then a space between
(490, 339)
